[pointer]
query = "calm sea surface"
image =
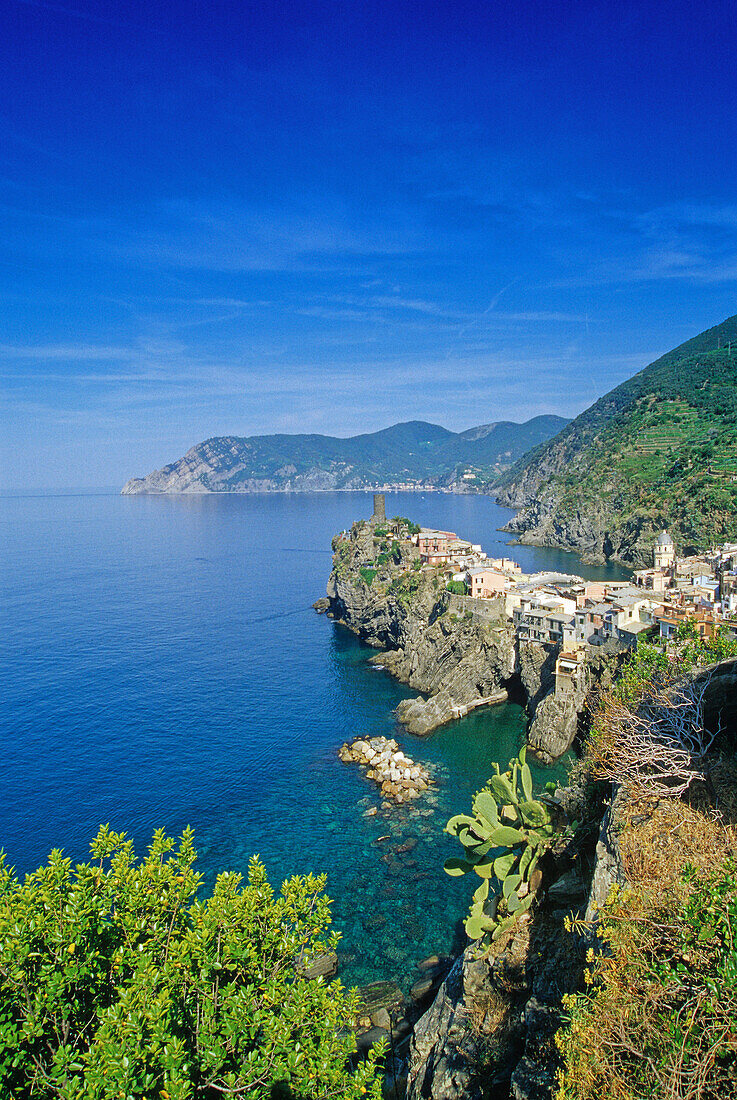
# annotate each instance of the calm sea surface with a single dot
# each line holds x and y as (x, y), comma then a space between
(163, 667)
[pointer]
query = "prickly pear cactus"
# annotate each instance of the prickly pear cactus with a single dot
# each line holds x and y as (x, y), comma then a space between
(502, 842)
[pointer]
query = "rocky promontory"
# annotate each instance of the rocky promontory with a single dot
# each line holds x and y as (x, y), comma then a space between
(455, 659)
(380, 589)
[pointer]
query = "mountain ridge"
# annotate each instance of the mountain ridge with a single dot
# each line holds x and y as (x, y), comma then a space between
(410, 454)
(659, 450)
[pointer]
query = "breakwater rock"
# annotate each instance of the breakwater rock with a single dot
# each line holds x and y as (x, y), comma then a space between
(401, 779)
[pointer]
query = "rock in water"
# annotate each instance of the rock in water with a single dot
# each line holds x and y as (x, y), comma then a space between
(399, 778)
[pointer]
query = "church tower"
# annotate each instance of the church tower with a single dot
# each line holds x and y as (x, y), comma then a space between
(664, 552)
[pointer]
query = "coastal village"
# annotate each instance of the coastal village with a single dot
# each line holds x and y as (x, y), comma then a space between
(575, 615)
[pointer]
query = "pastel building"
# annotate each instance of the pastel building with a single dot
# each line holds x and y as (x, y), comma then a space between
(484, 583)
(433, 545)
(664, 552)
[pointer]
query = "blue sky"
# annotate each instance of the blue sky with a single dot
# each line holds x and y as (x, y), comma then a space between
(235, 217)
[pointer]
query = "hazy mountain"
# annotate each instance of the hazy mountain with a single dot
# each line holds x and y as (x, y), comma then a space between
(414, 454)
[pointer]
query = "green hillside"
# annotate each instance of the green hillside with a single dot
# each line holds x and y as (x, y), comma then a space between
(659, 450)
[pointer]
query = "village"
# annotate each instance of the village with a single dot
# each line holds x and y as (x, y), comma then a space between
(579, 616)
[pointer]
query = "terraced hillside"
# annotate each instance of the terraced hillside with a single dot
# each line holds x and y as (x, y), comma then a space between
(658, 451)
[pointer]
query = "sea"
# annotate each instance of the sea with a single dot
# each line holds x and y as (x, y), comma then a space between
(163, 667)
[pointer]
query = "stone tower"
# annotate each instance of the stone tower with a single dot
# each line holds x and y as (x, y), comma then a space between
(379, 515)
(664, 552)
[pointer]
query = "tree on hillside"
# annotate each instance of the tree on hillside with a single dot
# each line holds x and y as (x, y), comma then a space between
(116, 980)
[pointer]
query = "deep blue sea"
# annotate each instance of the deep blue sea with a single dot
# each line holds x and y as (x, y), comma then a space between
(163, 667)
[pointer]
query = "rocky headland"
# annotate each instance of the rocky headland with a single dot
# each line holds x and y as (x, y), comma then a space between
(456, 658)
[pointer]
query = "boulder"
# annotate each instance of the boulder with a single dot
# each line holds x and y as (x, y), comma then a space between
(319, 966)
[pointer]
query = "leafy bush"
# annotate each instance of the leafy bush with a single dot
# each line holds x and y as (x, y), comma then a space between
(413, 528)
(459, 588)
(117, 981)
(367, 574)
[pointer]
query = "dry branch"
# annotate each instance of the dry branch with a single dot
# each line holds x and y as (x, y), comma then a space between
(659, 748)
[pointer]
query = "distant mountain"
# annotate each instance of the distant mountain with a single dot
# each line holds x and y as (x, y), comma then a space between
(410, 455)
(658, 451)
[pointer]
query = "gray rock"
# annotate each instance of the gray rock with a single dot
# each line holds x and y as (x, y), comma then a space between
(367, 1039)
(320, 966)
(569, 886)
(420, 989)
(381, 1018)
(442, 1048)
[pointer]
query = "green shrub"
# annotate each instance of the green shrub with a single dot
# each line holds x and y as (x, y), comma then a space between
(502, 840)
(459, 588)
(367, 574)
(413, 528)
(117, 981)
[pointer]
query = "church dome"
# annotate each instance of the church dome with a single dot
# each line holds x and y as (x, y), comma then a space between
(664, 540)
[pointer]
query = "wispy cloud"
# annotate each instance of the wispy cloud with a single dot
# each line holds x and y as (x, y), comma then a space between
(66, 352)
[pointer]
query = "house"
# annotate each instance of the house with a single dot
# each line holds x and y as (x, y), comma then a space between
(568, 668)
(654, 579)
(433, 545)
(506, 565)
(636, 631)
(485, 583)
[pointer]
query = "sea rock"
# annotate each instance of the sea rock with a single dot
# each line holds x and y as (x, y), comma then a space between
(379, 995)
(385, 765)
(420, 989)
(319, 966)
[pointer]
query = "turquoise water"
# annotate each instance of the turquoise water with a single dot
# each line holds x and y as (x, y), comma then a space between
(163, 667)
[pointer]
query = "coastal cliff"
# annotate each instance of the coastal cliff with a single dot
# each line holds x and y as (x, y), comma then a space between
(457, 658)
(379, 589)
(491, 1029)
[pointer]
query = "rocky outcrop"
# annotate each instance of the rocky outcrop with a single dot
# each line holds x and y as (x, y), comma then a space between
(589, 530)
(455, 659)
(558, 719)
(491, 1028)
(456, 663)
(399, 778)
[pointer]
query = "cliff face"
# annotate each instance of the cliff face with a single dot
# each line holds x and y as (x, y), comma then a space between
(490, 1030)
(590, 529)
(457, 663)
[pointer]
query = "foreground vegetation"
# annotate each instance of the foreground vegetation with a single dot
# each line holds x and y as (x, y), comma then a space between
(659, 1015)
(117, 981)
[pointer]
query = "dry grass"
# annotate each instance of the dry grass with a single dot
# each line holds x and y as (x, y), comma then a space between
(650, 1026)
(655, 851)
(489, 1015)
